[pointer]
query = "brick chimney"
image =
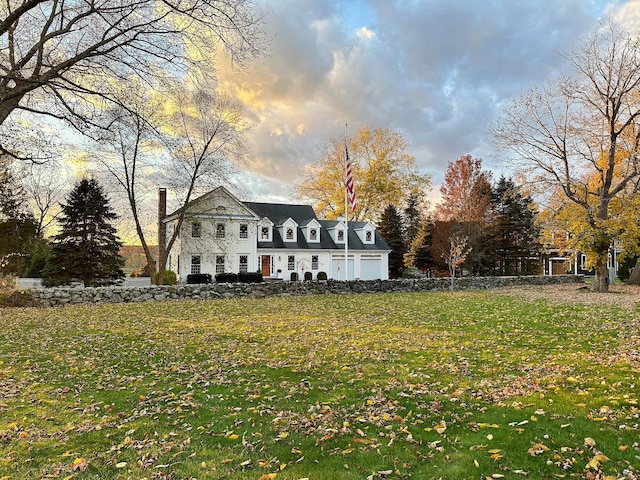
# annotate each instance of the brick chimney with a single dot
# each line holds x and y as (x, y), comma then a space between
(162, 227)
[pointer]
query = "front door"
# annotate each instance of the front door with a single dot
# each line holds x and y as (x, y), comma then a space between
(266, 265)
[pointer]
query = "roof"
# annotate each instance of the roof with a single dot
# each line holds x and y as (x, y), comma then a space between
(280, 212)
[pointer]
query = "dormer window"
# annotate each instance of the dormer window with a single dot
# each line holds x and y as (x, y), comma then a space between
(264, 233)
(289, 234)
(368, 236)
(313, 234)
(341, 235)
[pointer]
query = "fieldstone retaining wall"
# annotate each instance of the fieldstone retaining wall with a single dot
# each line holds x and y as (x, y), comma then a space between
(64, 296)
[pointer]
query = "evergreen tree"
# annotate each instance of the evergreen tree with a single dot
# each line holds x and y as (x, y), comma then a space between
(412, 219)
(516, 239)
(87, 247)
(390, 228)
(18, 228)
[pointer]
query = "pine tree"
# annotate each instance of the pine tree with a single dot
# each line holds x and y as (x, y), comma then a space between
(516, 238)
(390, 228)
(18, 228)
(87, 247)
(412, 219)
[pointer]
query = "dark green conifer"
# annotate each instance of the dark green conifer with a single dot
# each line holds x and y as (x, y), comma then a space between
(87, 247)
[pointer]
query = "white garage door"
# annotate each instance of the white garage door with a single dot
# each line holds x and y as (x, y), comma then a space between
(371, 268)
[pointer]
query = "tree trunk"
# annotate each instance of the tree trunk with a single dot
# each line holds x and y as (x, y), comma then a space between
(601, 280)
(634, 278)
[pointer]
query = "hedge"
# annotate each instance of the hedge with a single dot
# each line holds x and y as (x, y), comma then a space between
(250, 277)
(198, 278)
(227, 277)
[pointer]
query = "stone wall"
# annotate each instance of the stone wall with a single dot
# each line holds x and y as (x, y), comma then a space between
(65, 296)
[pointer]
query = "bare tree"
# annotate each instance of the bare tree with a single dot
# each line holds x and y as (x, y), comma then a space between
(195, 134)
(64, 59)
(207, 135)
(458, 250)
(580, 134)
(45, 186)
(130, 138)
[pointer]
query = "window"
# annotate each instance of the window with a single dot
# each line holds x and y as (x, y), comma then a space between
(313, 234)
(220, 230)
(244, 230)
(243, 263)
(291, 262)
(368, 235)
(195, 263)
(219, 264)
(264, 233)
(196, 229)
(341, 235)
(289, 233)
(314, 262)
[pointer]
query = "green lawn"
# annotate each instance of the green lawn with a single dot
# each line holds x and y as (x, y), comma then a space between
(411, 385)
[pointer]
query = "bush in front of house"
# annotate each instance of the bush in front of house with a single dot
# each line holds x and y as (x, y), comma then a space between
(322, 275)
(198, 278)
(250, 277)
(227, 277)
(170, 277)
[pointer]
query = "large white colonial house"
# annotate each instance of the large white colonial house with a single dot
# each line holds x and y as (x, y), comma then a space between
(223, 234)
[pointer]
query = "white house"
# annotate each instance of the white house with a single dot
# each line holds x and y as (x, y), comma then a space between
(223, 234)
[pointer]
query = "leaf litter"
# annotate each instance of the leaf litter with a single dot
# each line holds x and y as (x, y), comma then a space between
(371, 386)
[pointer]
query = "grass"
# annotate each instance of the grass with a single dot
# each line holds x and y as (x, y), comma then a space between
(410, 385)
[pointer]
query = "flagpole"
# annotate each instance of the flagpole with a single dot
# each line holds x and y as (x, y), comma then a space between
(346, 209)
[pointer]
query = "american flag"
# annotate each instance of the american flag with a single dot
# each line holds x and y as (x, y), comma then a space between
(351, 190)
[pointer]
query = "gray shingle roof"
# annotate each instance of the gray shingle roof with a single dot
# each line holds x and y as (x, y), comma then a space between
(302, 215)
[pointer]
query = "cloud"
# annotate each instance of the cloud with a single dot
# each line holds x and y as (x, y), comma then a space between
(438, 72)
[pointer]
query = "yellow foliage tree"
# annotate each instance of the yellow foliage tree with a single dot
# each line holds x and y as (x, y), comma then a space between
(384, 174)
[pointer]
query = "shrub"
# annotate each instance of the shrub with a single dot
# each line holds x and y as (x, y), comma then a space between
(308, 276)
(625, 267)
(16, 298)
(170, 277)
(198, 278)
(227, 277)
(294, 276)
(250, 277)
(322, 275)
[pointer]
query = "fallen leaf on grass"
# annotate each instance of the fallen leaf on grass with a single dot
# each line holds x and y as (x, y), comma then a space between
(537, 449)
(79, 464)
(594, 463)
(268, 476)
(441, 427)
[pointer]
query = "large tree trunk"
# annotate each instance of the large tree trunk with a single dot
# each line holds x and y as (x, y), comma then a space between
(601, 280)
(634, 278)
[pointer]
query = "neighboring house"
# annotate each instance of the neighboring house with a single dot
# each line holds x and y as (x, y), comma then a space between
(223, 234)
(559, 259)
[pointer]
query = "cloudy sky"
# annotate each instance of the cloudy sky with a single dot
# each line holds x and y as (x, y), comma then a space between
(437, 71)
